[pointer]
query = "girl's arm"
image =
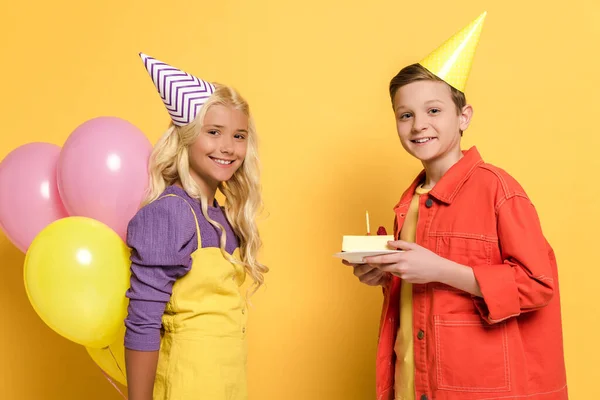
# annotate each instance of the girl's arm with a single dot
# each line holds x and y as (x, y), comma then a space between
(162, 237)
(141, 369)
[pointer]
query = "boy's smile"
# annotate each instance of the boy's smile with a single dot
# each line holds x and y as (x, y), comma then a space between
(423, 140)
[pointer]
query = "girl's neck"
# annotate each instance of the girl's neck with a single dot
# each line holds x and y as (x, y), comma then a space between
(205, 190)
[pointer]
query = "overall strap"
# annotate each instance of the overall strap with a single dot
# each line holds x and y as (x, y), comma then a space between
(194, 214)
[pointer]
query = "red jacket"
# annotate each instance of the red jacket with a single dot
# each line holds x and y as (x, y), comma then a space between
(505, 346)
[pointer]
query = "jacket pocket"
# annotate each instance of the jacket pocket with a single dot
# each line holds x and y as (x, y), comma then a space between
(471, 356)
(464, 248)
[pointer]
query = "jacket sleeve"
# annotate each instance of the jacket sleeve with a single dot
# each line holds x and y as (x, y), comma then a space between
(524, 281)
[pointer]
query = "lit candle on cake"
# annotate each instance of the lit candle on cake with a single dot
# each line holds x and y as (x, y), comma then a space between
(367, 242)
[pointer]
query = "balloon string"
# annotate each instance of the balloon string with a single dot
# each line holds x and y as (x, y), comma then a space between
(120, 370)
(116, 362)
(114, 384)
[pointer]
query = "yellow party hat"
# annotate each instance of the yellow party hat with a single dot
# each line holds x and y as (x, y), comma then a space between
(452, 61)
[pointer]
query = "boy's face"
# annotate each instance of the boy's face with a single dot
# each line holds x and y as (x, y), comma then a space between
(427, 120)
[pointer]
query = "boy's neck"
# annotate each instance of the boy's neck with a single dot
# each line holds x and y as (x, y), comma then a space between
(435, 169)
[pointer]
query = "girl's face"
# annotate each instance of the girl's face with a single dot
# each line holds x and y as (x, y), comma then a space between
(427, 120)
(220, 148)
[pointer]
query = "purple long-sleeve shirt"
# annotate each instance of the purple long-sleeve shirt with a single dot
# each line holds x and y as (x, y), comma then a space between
(162, 236)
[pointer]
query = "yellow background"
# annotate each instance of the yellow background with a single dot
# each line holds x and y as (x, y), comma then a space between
(316, 75)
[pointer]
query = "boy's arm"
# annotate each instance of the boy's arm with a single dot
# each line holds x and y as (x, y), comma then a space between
(460, 277)
(524, 281)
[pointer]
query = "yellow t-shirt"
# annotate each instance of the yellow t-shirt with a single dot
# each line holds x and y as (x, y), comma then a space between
(404, 380)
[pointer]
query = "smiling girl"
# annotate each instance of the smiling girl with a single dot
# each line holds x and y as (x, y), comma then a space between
(186, 323)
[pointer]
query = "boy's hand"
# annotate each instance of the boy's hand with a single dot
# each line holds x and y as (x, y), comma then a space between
(415, 264)
(369, 275)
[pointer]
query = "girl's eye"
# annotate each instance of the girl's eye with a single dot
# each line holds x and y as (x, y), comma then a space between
(240, 136)
(213, 132)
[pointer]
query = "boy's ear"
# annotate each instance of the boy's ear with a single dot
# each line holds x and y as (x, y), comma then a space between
(465, 117)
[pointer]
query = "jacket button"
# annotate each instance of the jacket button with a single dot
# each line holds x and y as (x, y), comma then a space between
(420, 335)
(428, 204)
(424, 397)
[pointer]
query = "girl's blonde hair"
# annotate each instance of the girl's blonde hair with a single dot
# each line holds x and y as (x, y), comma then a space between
(169, 163)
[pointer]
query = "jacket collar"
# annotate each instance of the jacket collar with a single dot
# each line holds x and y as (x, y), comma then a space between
(452, 181)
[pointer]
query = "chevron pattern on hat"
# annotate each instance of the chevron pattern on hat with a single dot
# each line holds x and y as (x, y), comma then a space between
(183, 94)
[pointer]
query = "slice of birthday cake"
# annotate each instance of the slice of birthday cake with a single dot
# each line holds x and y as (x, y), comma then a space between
(367, 242)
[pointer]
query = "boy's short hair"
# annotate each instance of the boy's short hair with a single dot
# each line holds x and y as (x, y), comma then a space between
(416, 72)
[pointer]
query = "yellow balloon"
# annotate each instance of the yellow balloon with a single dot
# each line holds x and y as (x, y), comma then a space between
(76, 274)
(111, 359)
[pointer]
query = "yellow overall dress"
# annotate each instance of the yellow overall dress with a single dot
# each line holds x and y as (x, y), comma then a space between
(203, 347)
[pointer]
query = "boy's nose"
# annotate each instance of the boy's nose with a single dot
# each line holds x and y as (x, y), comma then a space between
(419, 124)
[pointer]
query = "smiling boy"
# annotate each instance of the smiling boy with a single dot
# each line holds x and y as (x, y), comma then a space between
(471, 307)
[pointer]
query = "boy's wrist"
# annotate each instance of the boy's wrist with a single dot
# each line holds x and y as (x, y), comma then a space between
(447, 270)
(458, 276)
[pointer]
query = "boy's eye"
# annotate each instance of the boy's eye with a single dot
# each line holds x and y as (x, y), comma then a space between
(435, 111)
(405, 116)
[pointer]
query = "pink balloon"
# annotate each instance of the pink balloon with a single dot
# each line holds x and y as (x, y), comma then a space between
(103, 171)
(29, 198)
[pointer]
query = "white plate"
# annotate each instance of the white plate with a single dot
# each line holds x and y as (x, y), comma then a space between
(356, 257)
